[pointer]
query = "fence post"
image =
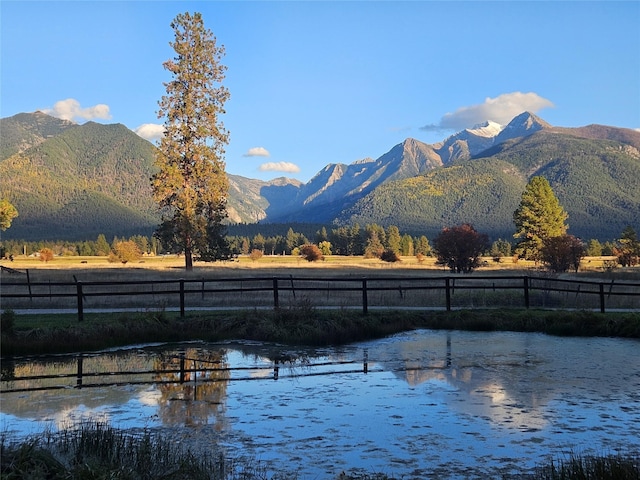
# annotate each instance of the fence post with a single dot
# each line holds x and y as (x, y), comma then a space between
(29, 284)
(601, 298)
(526, 291)
(181, 298)
(276, 303)
(80, 302)
(365, 298)
(181, 367)
(79, 375)
(448, 293)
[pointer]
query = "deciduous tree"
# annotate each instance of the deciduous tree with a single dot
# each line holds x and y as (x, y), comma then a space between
(7, 213)
(460, 248)
(191, 186)
(627, 248)
(562, 253)
(539, 216)
(125, 251)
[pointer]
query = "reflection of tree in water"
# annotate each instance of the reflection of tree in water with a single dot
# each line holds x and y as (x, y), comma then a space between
(202, 393)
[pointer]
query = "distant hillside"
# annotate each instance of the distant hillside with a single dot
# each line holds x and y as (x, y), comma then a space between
(25, 130)
(77, 180)
(596, 181)
(73, 181)
(484, 193)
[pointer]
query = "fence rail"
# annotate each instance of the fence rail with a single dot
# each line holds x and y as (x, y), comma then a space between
(442, 292)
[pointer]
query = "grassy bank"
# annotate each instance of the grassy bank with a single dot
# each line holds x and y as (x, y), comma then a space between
(300, 324)
(96, 451)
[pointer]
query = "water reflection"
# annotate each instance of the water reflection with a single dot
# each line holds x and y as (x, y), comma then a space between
(454, 401)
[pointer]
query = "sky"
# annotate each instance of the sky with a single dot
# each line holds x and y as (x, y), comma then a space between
(320, 82)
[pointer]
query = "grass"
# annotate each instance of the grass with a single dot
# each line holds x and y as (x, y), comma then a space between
(98, 451)
(299, 323)
(604, 467)
(275, 263)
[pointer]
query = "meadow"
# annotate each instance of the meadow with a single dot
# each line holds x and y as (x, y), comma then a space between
(96, 451)
(310, 310)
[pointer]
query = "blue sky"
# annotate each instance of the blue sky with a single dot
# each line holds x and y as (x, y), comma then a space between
(316, 82)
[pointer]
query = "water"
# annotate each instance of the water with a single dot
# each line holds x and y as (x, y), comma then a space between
(433, 403)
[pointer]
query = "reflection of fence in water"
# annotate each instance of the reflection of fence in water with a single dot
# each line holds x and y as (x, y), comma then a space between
(338, 292)
(169, 372)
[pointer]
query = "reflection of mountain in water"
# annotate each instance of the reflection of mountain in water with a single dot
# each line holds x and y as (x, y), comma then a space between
(498, 394)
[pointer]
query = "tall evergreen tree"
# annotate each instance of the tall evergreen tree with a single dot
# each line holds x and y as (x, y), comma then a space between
(539, 217)
(191, 186)
(393, 239)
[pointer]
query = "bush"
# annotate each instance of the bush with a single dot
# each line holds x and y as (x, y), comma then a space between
(7, 321)
(255, 254)
(389, 256)
(311, 253)
(46, 255)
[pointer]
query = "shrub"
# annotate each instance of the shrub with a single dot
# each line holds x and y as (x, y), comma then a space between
(255, 254)
(7, 321)
(389, 256)
(46, 254)
(311, 253)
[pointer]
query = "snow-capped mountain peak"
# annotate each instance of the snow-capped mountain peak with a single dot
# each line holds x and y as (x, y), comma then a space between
(486, 129)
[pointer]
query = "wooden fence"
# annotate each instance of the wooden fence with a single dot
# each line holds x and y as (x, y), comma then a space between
(429, 292)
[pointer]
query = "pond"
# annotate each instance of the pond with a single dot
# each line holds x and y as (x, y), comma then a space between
(445, 404)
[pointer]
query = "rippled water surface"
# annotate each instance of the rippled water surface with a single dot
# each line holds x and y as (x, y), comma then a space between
(454, 404)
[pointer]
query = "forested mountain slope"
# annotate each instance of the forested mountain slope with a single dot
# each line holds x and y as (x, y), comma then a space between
(597, 182)
(72, 181)
(85, 179)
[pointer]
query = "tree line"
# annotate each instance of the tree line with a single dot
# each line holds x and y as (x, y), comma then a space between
(371, 241)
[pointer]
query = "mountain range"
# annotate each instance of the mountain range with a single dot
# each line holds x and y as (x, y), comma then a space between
(72, 181)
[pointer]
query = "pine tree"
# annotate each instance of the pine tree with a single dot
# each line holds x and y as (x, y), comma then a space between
(102, 246)
(539, 217)
(191, 186)
(393, 239)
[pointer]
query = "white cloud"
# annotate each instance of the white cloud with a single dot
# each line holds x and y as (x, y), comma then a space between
(257, 152)
(150, 131)
(279, 167)
(70, 109)
(501, 109)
